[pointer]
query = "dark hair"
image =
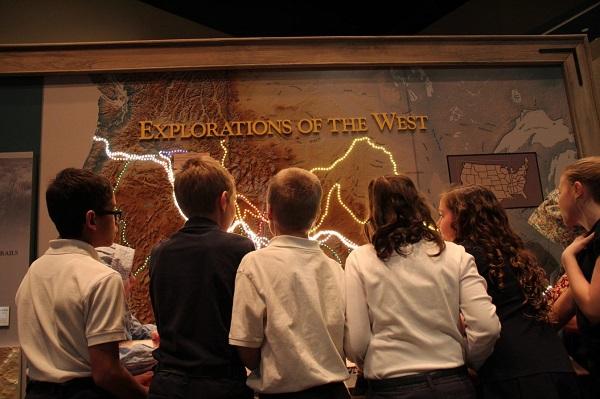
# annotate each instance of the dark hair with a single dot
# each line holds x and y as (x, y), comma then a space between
(199, 184)
(480, 221)
(294, 197)
(399, 216)
(73, 193)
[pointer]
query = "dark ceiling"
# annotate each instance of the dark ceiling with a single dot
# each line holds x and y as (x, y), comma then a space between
(291, 18)
(310, 18)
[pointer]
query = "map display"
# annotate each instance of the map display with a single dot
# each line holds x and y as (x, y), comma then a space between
(513, 178)
(347, 126)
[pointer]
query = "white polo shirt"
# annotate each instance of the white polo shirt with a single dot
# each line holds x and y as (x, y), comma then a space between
(289, 301)
(403, 315)
(67, 302)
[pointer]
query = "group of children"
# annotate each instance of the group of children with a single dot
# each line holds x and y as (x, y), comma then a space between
(414, 309)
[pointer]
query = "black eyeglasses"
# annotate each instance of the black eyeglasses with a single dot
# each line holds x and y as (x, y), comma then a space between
(117, 213)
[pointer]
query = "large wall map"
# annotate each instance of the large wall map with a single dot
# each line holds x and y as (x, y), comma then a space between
(468, 110)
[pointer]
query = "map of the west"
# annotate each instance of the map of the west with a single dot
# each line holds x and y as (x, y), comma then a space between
(470, 111)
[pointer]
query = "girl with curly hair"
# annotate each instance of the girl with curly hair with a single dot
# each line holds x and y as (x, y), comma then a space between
(405, 292)
(529, 359)
(579, 203)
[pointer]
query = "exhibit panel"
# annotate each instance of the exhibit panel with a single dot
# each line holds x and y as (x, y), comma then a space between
(16, 189)
(509, 114)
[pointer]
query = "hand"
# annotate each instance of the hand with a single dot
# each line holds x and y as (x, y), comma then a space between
(462, 326)
(145, 379)
(155, 338)
(571, 326)
(577, 245)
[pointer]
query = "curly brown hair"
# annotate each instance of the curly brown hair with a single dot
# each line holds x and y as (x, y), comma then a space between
(480, 221)
(399, 216)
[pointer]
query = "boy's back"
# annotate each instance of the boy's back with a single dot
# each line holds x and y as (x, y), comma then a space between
(68, 300)
(192, 277)
(289, 301)
(191, 287)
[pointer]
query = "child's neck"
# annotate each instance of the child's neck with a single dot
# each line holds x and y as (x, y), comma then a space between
(295, 233)
(301, 234)
(590, 215)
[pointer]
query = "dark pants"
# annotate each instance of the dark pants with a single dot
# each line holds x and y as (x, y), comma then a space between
(177, 385)
(450, 383)
(78, 388)
(540, 385)
(335, 390)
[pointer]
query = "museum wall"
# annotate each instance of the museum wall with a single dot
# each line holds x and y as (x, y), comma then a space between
(20, 123)
(60, 135)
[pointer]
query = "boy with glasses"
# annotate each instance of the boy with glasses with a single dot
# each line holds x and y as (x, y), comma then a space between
(70, 306)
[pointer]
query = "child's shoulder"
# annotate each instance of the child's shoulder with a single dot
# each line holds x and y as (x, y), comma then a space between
(363, 250)
(233, 239)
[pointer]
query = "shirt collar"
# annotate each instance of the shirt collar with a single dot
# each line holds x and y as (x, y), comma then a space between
(68, 246)
(294, 242)
(200, 220)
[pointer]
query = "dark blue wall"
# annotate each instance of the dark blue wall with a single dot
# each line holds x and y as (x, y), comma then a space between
(20, 130)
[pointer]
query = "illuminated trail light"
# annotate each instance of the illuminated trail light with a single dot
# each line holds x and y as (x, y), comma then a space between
(225, 152)
(163, 158)
(349, 150)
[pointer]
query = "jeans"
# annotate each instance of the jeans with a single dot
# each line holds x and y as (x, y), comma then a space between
(452, 383)
(175, 385)
(335, 390)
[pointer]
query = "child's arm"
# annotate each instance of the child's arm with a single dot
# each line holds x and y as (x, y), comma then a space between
(247, 319)
(563, 309)
(250, 357)
(482, 326)
(586, 294)
(358, 328)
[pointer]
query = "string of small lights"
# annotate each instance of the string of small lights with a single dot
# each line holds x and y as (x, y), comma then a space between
(120, 177)
(349, 151)
(337, 257)
(163, 158)
(141, 268)
(123, 229)
(225, 152)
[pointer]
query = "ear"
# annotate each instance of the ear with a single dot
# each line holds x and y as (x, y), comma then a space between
(578, 189)
(317, 214)
(271, 222)
(224, 201)
(90, 220)
(90, 225)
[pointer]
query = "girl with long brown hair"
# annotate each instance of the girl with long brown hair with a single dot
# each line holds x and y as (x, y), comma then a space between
(579, 203)
(529, 359)
(405, 292)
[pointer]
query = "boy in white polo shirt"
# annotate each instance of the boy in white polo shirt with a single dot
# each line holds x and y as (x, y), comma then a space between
(70, 306)
(288, 307)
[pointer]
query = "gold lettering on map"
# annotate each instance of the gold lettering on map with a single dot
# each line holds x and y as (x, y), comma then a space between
(145, 127)
(389, 121)
(312, 125)
(346, 125)
(385, 121)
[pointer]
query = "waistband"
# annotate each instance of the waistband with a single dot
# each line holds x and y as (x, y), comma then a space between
(331, 390)
(418, 378)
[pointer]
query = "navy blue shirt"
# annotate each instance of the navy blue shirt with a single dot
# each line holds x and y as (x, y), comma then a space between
(192, 279)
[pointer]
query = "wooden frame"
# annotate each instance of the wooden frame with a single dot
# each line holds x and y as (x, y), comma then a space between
(571, 52)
